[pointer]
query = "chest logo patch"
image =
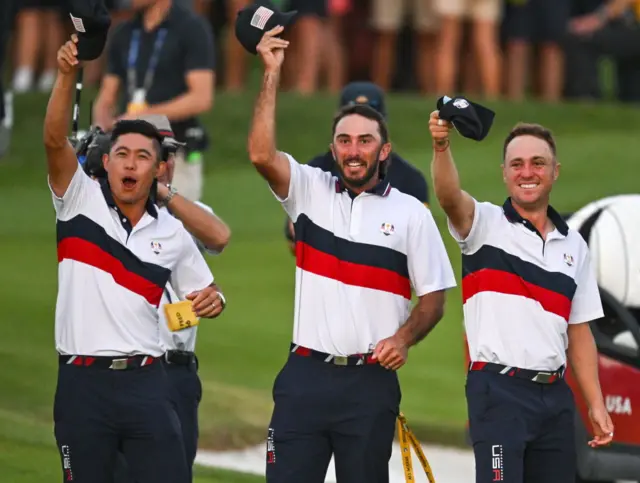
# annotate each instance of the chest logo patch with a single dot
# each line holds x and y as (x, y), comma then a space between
(387, 229)
(156, 247)
(568, 259)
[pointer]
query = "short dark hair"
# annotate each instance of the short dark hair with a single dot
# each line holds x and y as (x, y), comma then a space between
(363, 110)
(144, 128)
(527, 129)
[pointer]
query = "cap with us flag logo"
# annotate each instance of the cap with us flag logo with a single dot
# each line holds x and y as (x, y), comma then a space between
(257, 18)
(91, 21)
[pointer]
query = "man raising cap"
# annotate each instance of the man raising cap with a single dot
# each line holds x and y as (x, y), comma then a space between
(401, 174)
(362, 249)
(116, 254)
(528, 293)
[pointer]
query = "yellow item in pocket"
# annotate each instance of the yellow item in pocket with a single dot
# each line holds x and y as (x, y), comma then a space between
(407, 438)
(180, 315)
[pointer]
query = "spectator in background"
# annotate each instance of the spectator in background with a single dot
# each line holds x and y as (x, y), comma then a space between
(611, 29)
(542, 23)
(39, 31)
(7, 10)
(485, 16)
(305, 58)
(334, 55)
(162, 62)
(387, 20)
(235, 56)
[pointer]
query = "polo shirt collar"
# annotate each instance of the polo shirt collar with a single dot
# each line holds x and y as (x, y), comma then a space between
(514, 217)
(108, 196)
(382, 188)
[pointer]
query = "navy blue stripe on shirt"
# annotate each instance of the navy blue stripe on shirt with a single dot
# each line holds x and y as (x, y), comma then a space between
(321, 252)
(85, 241)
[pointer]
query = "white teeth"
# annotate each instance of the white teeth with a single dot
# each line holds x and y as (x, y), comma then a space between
(528, 186)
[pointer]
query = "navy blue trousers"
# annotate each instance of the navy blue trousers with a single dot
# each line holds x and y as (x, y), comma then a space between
(186, 394)
(522, 431)
(323, 409)
(99, 412)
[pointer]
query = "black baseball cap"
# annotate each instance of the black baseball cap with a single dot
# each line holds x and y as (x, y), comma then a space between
(470, 119)
(91, 22)
(364, 93)
(254, 20)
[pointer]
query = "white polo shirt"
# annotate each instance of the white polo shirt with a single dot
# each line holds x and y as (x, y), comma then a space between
(357, 261)
(111, 275)
(185, 339)
(521, 292)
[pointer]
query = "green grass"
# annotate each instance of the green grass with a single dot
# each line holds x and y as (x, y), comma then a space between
(242, 351)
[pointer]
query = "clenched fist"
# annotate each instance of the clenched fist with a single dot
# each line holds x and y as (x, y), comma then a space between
(439, 128)
(271, 49)
(68, 56)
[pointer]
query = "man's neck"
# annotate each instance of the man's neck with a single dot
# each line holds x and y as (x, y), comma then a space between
(361, 189)
(134, 212)
(155, 14)
(538, 218)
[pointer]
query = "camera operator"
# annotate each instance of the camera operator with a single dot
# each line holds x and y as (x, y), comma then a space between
(162, 61)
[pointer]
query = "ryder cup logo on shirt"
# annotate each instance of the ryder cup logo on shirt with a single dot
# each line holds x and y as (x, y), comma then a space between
(156, 247)
(387, 229)
(260, 18)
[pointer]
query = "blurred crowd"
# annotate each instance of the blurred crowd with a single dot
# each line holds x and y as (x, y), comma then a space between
(548, 49)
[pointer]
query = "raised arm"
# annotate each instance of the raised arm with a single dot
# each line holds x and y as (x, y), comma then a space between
(456, 203)
(61, 158)
(205, 226)
(270, 163)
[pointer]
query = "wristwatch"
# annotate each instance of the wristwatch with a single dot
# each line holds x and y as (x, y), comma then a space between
(172, 191)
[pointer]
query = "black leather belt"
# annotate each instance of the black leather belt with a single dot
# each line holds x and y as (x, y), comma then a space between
(180, 358)
(113, 363)
(542, 377)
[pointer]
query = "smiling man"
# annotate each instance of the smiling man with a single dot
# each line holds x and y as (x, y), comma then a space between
(361, 247)
(528, 292)
(116, 254)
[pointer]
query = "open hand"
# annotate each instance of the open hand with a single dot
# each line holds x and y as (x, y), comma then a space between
(68, 56)
(391, 353)
(602, 426)
(206, 302)
(271, 49)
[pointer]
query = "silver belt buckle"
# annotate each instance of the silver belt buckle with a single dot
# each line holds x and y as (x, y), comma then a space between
(118, 364)
(543, 377)
(340, 360)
